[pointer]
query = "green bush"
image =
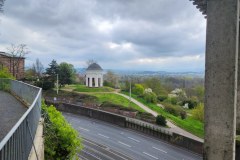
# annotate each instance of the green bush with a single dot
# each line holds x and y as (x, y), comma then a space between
(191, 103)
(150, 97)
(173, 109)
(61, 141)
(198, 112)
(4, 73)
(45, 83)
(161, 120)
(138, 89)
(161, 98)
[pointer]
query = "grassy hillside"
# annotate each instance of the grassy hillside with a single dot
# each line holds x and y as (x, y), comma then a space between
(116, 99)
(189, 124)
(83, 88)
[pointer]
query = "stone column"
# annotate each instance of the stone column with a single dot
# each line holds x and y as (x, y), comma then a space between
(86, 81)
(96, 81)
(101, 81)
(221, 79)
(90, 82)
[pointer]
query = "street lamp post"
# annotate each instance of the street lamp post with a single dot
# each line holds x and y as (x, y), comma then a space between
(57, 84)
(130, 91)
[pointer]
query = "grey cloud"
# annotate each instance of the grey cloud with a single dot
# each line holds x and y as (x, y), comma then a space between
(162, 28)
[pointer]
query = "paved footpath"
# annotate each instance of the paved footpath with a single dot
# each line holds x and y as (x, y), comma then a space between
(11, 111)
(172, 126)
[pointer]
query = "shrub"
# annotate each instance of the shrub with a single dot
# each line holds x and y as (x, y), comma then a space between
(61, 141)
(161, 120)
(198, 112)
(161, 98)
(107, 104)
(173, 109)
(146, 117)
(150, 97)
(4, 73)
(183, 115)
(138, 89)
(45, 83)
(191, 103)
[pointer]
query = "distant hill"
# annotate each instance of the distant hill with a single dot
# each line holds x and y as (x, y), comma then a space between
(149, 73)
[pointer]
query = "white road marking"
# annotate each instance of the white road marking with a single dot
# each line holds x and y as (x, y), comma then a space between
(108, 149)
(133, 139)
(83, 129)
(124, 144)
(103, 135)
(150, 155)
(91, 155)
(84, 158)
(159, 149)
(90, 148)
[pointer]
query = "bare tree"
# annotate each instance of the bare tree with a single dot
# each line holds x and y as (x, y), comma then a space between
(17, 52)
(90, 61)
(1, 5)
(38, 68)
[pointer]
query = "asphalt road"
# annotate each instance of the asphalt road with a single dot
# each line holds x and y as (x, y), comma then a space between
(104, 141)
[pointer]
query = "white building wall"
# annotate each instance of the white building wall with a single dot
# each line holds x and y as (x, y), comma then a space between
(96, 75)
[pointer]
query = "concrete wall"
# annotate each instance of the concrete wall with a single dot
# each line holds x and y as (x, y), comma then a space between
(97, 114)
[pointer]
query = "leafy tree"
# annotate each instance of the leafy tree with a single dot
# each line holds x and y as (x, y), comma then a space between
(66, 73)
(53, 69)
(156, 86)
(150, 97)
(138, 89)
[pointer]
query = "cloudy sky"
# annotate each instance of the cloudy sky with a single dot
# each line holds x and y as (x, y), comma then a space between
(164, 35)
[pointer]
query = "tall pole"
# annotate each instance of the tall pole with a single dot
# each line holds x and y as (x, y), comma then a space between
(57, 84)
(130, 91)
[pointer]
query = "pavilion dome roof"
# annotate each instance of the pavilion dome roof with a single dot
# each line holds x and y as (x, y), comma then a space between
(94, 67)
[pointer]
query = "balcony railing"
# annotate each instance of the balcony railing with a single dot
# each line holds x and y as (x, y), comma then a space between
(17, 144)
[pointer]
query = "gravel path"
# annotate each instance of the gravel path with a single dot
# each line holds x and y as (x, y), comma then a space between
(10, 112)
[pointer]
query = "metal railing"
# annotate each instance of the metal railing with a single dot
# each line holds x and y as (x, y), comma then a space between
(17, 144)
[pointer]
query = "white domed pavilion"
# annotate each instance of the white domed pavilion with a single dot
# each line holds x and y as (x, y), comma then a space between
(94, 76)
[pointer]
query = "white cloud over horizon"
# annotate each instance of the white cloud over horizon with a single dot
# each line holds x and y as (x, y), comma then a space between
(163, 35)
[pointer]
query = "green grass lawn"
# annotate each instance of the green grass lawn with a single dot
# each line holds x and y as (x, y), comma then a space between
(116, 99)
(83, 88)
(189, 124)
